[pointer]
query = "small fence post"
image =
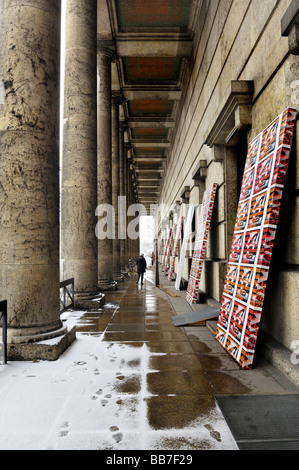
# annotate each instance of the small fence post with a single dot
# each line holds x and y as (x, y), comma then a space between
(67, 295)
(3, 317)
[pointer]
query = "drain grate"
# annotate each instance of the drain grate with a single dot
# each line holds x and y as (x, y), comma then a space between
(263, 422)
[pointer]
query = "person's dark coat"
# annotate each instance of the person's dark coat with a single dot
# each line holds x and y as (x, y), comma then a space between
(141, 264)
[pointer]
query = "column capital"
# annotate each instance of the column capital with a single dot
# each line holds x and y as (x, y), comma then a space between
(117, 97)
(123, 126)
(106, 50)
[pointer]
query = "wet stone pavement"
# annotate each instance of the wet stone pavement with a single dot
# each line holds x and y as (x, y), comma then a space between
(130, 381)
(155, 376)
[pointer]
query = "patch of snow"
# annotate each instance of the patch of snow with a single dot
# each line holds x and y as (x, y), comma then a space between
(83, 401)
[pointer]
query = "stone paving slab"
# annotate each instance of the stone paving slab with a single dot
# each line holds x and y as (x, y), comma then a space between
(130, 381)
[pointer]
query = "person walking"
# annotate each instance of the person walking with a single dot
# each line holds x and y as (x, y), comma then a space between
(141, 268)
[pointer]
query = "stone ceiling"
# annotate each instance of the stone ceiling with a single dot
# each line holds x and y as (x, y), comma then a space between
(153, 40)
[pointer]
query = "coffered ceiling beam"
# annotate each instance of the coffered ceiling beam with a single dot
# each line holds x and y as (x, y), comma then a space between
(152, 94)
(149, 144)
(149, 159)
(148, 184)
(149, 122)
(154, 48)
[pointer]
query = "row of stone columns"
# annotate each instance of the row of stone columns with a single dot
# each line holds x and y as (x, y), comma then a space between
(29, 161)
(93, 156)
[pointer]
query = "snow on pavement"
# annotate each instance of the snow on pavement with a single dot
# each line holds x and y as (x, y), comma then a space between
(94, 397)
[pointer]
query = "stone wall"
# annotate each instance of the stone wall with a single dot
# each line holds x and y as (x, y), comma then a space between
(241, 76)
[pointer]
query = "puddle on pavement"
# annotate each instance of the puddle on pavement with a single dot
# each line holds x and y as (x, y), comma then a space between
(178, 411)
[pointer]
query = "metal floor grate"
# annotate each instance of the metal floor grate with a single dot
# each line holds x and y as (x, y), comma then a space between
(263, 422)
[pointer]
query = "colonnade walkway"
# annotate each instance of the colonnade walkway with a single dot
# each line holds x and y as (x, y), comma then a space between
(131, 381)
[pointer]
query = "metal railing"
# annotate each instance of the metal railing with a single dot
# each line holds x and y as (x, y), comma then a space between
(67, 299)
(3, 320)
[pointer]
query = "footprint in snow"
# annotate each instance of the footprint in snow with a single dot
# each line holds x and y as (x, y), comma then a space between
(118, 435)
(64, 429)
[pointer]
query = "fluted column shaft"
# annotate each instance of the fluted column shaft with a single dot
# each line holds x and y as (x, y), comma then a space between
(79, 163)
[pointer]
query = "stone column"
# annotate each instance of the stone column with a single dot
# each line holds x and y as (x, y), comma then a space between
(130, 202)
(126, 172)
(29, 174)
(137, 240)
(79, 162)
(133, 243)
(104, 173)
(123, 202)
(116, 100)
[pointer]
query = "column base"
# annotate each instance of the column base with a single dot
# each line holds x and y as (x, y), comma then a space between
(89, 300)
(107, 285)
(44, 347)
(118, 277)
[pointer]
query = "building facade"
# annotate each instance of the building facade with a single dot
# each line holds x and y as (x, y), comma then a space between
(161, 99)
(243, 72)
